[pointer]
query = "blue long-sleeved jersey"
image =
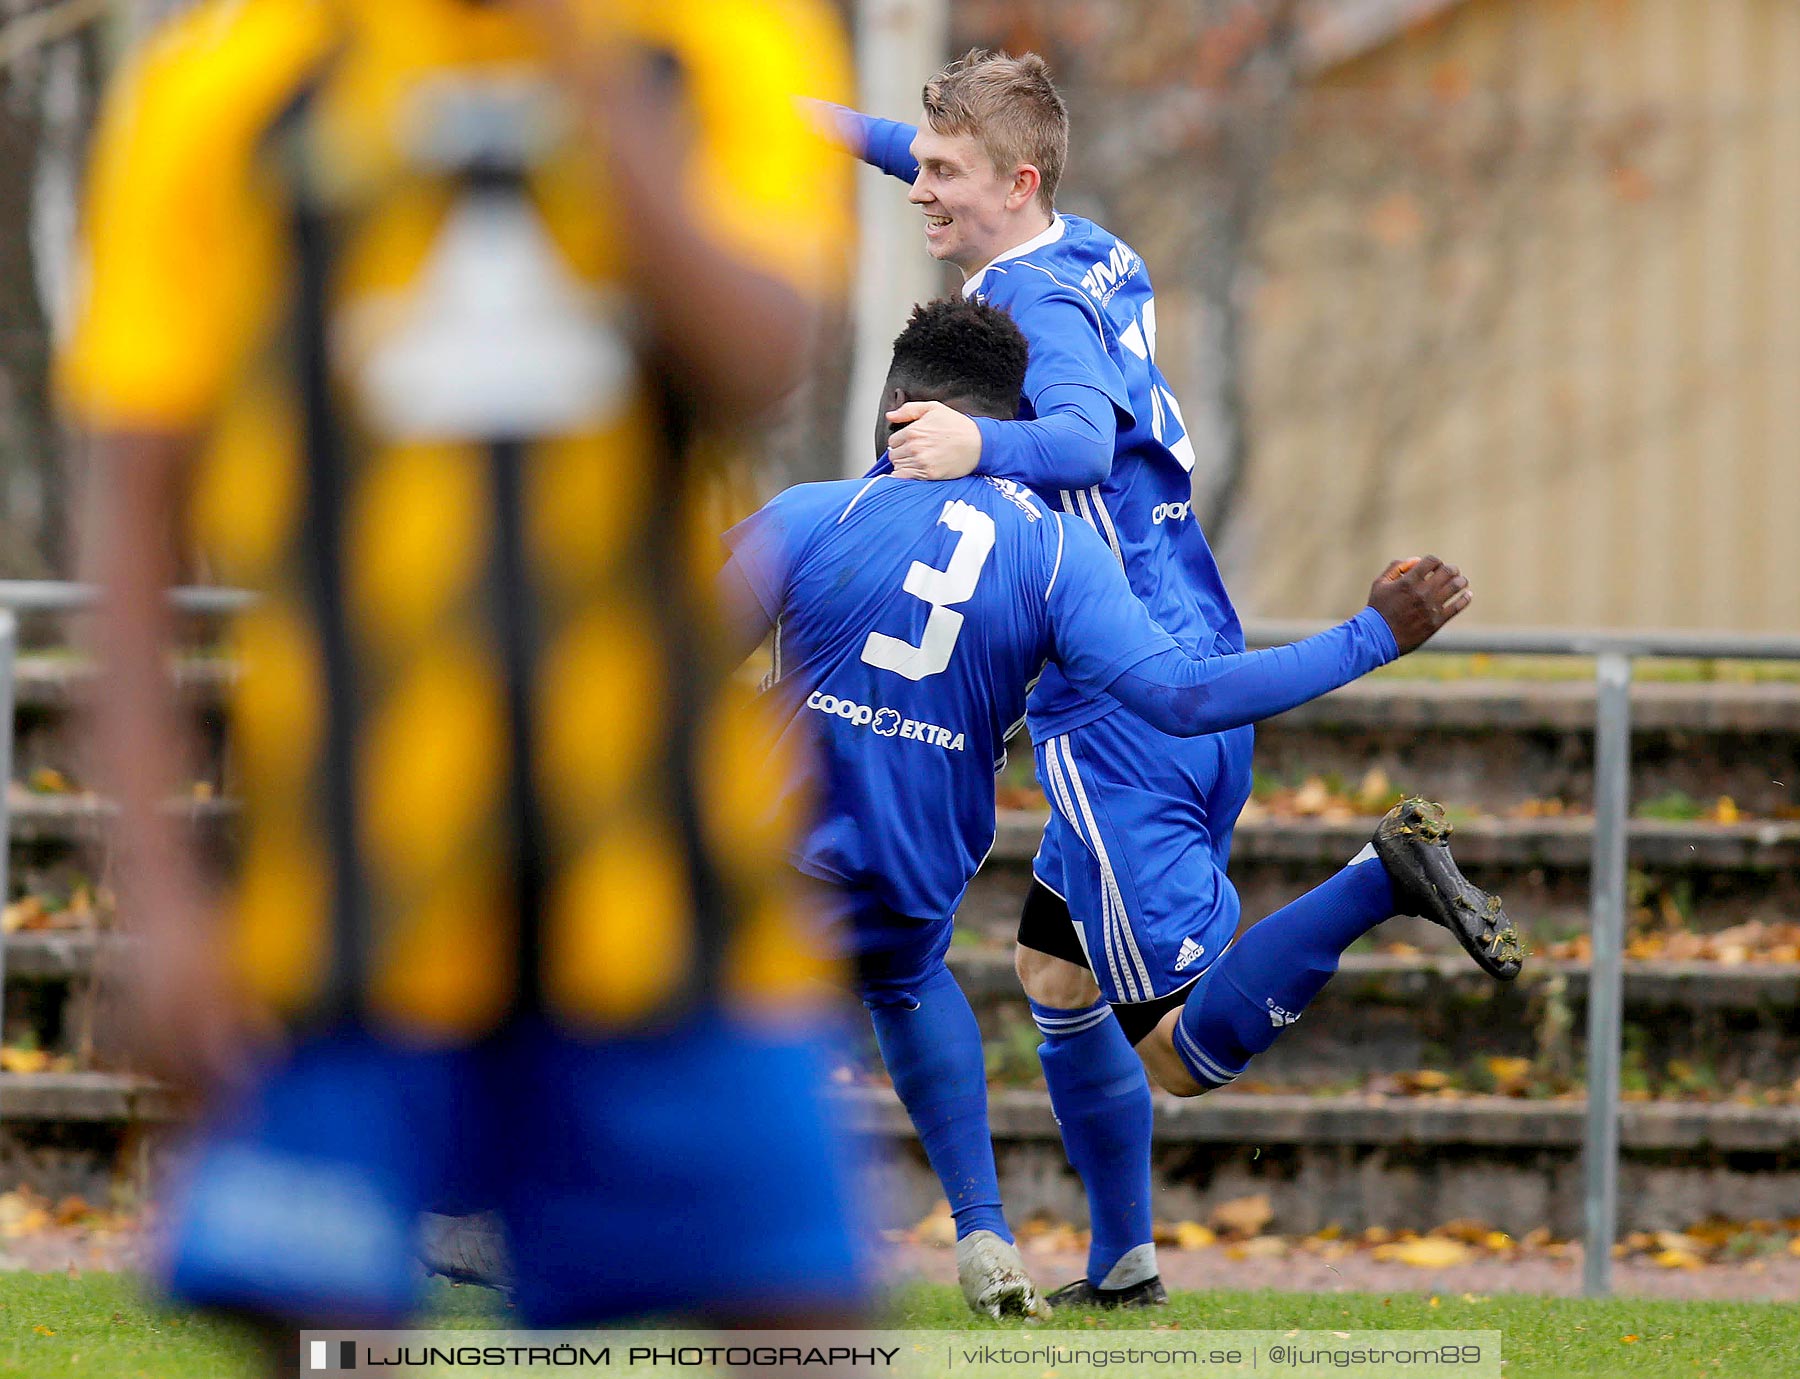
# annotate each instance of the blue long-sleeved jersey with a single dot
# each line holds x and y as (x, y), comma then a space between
(913, 615)
(1083, 299)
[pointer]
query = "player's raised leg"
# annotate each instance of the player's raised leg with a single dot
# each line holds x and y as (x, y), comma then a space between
(1263, 982)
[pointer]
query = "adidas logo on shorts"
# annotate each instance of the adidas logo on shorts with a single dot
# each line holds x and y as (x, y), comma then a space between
(1190, 954)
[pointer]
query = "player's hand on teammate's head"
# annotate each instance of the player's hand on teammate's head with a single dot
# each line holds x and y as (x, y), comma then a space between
(932, 442)
(1417, 596)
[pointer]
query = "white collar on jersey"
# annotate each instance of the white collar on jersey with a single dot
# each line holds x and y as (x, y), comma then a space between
(1057, 227)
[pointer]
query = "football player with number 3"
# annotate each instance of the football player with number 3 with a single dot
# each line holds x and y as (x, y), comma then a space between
(911, 619)
(1131, 909)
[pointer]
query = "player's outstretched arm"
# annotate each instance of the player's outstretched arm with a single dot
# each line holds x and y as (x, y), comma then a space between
(883, 144)
(1106, 642)
(1188, 696)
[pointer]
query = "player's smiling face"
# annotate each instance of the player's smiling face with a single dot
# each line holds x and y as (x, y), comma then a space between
(973, 212)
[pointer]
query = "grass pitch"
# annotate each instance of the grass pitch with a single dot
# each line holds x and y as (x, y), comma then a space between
(1543, 1338)
(99, 1325)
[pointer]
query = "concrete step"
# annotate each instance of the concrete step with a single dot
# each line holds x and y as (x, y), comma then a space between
(1492, 743)
(1714, 1024)
(1687, 1026)
(82, 818)
(1710, 875)
(1358, 1162)
(1561, 843)
(1498, 744)
(1494, 1122)
(82, 1097)
(57, 955)
(1400, 703)
(1355, 1161)
(49, 682)
(52, 683)
(1397, 980)
(48, 955)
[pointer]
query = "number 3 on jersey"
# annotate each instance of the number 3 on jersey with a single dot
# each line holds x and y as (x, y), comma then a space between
(942, 589)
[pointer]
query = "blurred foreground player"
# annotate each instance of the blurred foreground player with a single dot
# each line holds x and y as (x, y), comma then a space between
(910, 619)
(415, 307)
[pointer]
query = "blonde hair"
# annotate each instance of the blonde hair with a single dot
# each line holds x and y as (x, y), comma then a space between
(1011, 107)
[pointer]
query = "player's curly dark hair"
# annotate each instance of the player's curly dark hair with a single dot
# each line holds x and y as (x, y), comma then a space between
(956, 346)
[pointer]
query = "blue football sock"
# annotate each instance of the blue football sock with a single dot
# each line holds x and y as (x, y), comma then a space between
(933, 1054)
(1262, 982)
(1101, 1098)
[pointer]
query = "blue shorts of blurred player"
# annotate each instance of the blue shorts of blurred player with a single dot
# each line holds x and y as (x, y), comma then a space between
(696, 1169)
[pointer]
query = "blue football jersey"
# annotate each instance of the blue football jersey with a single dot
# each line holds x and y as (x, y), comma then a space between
(910, 618)
(1083, 299)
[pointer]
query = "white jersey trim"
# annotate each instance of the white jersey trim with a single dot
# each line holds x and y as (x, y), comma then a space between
(1057, 228)
(1055, 569)
(1111, 532)
(858, 498)
(1137, 976)
(1061, 789)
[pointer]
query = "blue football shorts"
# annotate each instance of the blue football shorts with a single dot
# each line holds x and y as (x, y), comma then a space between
(697, 1169)
(1137, 845)
(891, 954)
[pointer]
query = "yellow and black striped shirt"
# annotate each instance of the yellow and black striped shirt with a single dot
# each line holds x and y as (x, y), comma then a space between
(488, 755)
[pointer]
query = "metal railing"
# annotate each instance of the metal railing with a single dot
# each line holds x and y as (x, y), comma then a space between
(1613, 654)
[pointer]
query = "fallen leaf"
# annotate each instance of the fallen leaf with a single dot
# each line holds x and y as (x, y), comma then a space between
(72, 1210)
(1425, 1080)
(1676, 1259)
(30, 1223)
(47, 780)
(1376, 793)
(1260, 1247)
(1243, 1215)
(1191, 1235)
(24, 1060)
(28, 912)
(1468, 1231)
(938, 1227)
(1431, 1252)
(1314, 797)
